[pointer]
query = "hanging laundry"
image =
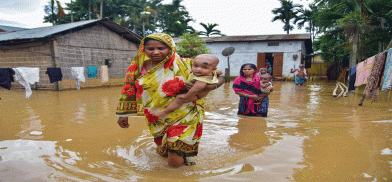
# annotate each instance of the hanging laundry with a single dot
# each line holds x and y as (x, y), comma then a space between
(352, 78)
(372, 88)
(54, 74)
(364, 69)
(26, 77)
(6, 77)
(78, 74)
(104, 73)
(387, 83)
(92, 71)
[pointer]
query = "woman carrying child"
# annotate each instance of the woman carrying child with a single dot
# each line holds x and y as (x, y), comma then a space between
(204, 72)
(153, 80)
(248, 87)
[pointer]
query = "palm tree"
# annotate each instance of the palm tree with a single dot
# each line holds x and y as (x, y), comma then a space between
(354, 26)
(306, 15)
(210, 30)
(285, 13)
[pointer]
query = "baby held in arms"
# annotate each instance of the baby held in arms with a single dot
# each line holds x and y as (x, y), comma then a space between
(203, 72)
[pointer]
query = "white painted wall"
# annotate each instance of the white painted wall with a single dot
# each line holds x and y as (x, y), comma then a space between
(246, 52)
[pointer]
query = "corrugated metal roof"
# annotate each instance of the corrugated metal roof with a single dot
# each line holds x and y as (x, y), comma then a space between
(255, 38)
(43, 32)
(7, 29)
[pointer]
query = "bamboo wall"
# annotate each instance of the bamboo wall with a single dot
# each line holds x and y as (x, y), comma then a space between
(82, 48)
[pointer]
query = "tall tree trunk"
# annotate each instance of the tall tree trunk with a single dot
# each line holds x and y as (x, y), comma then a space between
(288, 27)
(89, 9)
(72, 20)
(360, 3)
(52, 7)
(354, 54)
(101, 10)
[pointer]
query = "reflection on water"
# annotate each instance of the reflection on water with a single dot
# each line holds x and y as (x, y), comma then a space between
(308, 136)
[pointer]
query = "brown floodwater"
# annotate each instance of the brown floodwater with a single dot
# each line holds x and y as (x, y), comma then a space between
(308, 136)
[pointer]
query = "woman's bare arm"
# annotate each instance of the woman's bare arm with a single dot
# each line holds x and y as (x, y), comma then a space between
(191, 95)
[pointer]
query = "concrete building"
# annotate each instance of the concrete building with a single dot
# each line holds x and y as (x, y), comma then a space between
(283, 52)
(79, 44)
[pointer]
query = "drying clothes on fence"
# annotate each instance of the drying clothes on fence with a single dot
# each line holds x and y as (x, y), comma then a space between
(78, 74)
(6, 77)
(387, 83)
(372, 88)
(54, 74)
(364, 69)
(352, 78)
(104, 73)
(92, 71)
(26, 77)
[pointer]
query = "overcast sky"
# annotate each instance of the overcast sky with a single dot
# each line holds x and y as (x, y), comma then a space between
(235, 17)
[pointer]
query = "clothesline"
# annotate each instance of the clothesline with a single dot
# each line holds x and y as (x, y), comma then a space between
(27, 76)
(375, 72)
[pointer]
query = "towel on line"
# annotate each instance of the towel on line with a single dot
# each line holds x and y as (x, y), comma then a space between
(54, 74)
(6, 77)
(26, 77)
(78, 75)
(92, 71)
(387, 83)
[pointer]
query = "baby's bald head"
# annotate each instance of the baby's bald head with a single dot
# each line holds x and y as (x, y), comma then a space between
(208, 58)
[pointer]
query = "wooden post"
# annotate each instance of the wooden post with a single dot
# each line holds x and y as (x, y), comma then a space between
(53, 51)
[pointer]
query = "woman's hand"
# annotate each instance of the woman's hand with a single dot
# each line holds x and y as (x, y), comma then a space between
(268, 89)
(123, 122)
(254, 97)
(188, 85)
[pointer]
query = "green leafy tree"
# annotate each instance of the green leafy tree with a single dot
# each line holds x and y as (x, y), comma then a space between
(306, 16)
(358, 20)
(132, 14)
(210, 30)
(55, 13)
(174, 19)
(191, 45)
(285, 13)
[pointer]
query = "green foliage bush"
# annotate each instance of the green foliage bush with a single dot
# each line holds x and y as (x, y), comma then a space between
(191, 45)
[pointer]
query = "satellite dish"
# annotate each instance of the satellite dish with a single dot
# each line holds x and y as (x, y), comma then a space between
(228, 51)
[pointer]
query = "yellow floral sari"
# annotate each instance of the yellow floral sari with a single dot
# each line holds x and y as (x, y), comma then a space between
(179, 131)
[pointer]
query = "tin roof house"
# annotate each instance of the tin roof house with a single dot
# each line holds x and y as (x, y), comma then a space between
(281, 52)
(79, 44)
(7, 29)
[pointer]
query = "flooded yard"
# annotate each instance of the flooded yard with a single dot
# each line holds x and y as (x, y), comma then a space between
(308, 136)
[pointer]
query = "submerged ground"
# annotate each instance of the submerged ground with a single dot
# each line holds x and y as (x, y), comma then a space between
(308, 136)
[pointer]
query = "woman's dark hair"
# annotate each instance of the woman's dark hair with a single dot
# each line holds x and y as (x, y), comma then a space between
(147, 39)
(247, 64)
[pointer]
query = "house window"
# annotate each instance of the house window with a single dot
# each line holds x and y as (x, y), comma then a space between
(273, 43)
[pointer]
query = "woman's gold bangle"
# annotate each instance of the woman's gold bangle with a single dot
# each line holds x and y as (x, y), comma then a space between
(246, 95)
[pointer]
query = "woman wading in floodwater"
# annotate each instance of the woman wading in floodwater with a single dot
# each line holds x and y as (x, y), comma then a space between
(248, 87)
(154, 78)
